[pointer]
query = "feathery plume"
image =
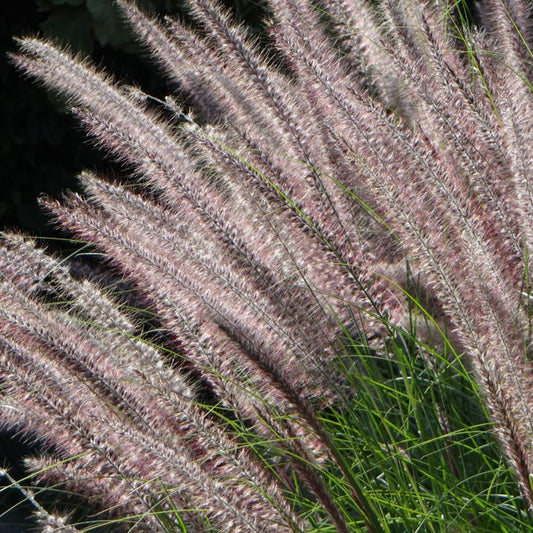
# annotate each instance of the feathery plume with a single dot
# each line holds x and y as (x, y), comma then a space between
(373, 157)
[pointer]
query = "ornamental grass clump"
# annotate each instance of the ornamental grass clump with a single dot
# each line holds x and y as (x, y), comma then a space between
(311, 310)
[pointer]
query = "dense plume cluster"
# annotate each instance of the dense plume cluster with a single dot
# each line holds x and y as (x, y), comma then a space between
(374, 150)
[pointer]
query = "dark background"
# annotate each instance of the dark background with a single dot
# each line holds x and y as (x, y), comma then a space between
(41, 147)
